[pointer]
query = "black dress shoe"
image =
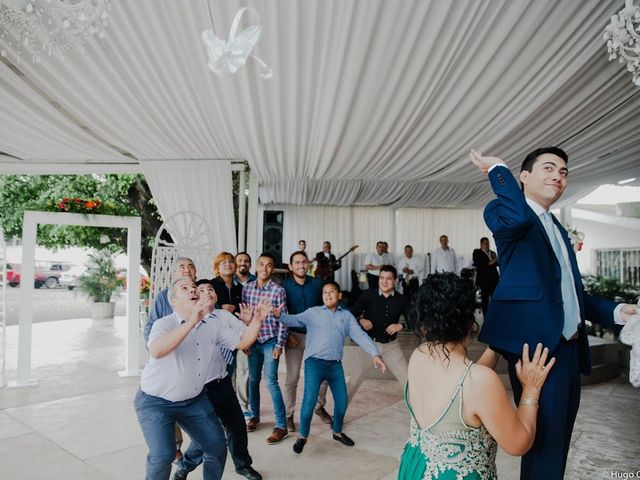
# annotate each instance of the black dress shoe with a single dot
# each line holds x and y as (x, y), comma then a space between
(299, 445)
(342, 438)
(249, 472)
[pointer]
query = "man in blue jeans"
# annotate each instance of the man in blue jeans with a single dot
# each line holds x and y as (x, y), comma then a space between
(172, 382)
(265, 353)
(222, 396)
(327, 327)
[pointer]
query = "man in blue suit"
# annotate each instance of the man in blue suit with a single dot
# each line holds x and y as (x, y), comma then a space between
(540, 297)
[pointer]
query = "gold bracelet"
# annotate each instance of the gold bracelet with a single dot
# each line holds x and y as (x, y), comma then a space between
(529, 401)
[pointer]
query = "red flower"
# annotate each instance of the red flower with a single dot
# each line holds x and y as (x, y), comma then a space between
(65, 199)
(62, 205)
(78, 200)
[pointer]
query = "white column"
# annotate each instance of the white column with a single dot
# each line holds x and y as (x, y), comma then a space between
(29, 229)
(3, 311)
(252, 224)
(242, 212)
(131, 367)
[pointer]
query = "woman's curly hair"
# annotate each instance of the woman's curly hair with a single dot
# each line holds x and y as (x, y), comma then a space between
(444, 311)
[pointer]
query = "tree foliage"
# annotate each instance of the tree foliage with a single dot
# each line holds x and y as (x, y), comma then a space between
(125, 195)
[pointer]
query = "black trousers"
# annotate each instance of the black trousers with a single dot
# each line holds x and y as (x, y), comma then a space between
(225, 403)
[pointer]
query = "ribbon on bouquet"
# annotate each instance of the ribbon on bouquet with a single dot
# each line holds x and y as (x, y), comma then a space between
(226, 57)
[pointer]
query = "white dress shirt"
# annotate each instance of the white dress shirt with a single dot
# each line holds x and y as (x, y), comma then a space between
(181, 374)
(373, 258)
(414, 263)
(444, 261)
(539, 211)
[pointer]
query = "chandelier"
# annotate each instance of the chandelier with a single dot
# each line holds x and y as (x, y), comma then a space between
(49, 27)
(623, 39)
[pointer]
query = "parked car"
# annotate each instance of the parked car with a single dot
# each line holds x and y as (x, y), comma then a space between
(70, 278)
(49, 275)
(46, 276)
(13, 274)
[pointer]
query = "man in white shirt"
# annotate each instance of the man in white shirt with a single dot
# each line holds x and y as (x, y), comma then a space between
(444, 258)
(410, 268)
(376, 260)
(181, 347)
(220, 392)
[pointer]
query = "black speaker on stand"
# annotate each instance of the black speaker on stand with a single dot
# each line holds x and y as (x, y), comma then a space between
(272, 234)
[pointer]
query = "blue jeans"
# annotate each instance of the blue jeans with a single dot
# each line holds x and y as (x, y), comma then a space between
(262, 356)
(315, 372)
(225, 403)
(195, 416)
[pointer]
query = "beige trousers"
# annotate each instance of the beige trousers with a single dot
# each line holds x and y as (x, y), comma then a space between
(362, 364)
(241, 381)
(293, 359)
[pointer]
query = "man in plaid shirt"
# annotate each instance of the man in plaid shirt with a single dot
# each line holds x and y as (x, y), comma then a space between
(265, 353)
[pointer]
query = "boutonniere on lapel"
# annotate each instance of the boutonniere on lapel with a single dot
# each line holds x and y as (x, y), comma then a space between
(576, 237)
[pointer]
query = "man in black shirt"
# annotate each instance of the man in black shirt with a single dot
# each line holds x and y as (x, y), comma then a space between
(378, 312)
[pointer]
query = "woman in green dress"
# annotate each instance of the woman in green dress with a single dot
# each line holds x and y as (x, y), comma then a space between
(460, 409)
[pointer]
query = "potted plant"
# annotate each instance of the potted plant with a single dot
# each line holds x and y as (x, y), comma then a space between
(99, 283)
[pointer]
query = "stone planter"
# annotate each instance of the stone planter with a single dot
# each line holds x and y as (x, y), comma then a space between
(102, 310)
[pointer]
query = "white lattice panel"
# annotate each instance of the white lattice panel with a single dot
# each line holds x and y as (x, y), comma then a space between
(192, 238)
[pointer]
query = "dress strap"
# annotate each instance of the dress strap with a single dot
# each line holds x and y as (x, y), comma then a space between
(453, 397)
(406, 400)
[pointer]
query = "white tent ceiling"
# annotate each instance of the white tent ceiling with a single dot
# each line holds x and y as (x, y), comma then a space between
(371, 101)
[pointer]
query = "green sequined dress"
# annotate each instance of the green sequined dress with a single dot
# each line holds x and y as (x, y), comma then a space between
(448, 449)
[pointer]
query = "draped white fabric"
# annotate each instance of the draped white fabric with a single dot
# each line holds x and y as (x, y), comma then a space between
(364, 226)
(372, 102)
(202, 187)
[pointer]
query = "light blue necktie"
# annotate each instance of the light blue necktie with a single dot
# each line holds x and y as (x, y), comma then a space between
(569, 304)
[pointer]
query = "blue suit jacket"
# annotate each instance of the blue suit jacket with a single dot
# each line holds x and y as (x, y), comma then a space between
(526, 306)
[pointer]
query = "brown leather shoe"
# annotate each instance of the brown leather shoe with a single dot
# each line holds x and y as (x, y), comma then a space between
(278, 435)
(178, 457)
(252, 424)
(290, 425)
(324, 416)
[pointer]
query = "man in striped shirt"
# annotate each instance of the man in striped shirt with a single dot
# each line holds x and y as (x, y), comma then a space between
(265, 353)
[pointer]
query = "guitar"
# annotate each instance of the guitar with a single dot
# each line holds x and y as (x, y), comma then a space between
(326, 267)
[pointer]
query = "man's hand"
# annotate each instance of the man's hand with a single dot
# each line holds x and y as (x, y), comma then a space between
(628, 310)
(277, 311)
(483, 163)
(277, 351)
(246, 313)
(229, 308)
(394, 328)
(379, 363)
(262, 310)
(366, 324)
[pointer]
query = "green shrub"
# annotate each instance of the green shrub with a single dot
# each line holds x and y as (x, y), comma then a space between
(100, 280)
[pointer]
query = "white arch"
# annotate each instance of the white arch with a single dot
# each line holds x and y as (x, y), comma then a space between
(29, 229)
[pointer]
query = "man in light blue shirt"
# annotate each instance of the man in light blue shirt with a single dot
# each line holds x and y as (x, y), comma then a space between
(181, 347)
(327, 327)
